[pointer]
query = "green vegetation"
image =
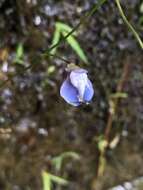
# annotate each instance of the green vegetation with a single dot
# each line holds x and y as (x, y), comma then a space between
(48, 179)
(62, 29)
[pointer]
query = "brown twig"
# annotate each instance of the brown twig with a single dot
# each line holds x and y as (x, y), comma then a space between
(113, 105)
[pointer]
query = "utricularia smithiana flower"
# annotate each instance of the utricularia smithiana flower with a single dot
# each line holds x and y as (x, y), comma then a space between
(77, 88)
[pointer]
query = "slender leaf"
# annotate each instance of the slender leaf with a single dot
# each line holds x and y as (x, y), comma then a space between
(58, 180)
(55, 40)
(76, 47)
(19, 54)
(64, 27)
(57, 161)
(119, 95)
(71, 154)
(46, 181)
(19, 51)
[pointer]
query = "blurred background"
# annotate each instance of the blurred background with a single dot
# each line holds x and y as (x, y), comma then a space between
(40, 134)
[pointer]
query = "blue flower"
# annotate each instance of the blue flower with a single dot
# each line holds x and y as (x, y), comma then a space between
(77, 88)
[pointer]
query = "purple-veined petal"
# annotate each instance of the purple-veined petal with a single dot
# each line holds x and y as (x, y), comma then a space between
(69, 93)
(89, 92)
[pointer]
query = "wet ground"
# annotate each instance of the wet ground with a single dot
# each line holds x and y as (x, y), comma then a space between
(36, 124)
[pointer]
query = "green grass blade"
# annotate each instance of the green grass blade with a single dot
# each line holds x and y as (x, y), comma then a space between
(55, 40)
(119, 95)
(82, 21)
(19, 51)
(76, 47)
(71, 154)
(57, 161)
(64, 27)
(46, 181)
(58, 180)
(19, 54)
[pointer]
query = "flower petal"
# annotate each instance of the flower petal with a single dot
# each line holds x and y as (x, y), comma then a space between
(69, 93)
(89, 92)
(79, 80)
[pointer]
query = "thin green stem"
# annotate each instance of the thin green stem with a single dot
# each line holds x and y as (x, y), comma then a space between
(128, 24)
(82, 21)
(57, 56)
